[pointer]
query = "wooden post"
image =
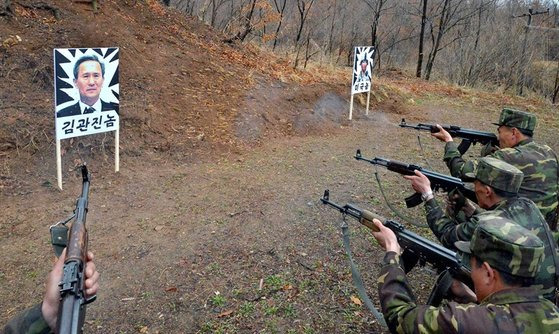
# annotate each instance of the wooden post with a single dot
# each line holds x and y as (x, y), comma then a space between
(351, 107)
(368, 99)
(58, 164)
(117, 149)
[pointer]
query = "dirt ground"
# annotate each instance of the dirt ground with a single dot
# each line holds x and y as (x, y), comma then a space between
(213, 224)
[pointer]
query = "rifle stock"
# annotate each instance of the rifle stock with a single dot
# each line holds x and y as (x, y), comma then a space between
(71, 312)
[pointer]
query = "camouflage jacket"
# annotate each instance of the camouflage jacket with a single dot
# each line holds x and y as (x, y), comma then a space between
(30, 321)
(518, 209)
(518, 310)
(539, 164)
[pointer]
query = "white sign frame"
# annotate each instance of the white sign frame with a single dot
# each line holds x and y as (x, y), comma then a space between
(72, 116)
(361, 78)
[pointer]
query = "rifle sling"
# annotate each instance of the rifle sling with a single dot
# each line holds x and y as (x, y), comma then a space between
(396, 212)
(423, 153)
(358, 281)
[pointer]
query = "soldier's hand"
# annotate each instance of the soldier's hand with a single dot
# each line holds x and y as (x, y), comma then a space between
(469, 208)
(49, 308)
(442, 135)
(386, 238)
(488, 149)
(461, 293)
(419, 182)
(454, 202)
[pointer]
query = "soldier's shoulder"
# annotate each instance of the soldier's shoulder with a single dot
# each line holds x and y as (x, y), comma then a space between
(517, 149)
(489, 214)
(539, 146)
(503, 153)
(525, 202)
(531, 151)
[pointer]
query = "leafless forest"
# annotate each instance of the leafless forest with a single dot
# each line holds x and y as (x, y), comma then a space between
(511, 45)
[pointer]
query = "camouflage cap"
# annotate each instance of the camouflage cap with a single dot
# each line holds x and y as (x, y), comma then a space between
(517, 119)
(506, 246)
(497, 174)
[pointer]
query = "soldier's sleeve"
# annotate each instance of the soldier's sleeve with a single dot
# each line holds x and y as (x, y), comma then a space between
(30, 321)
(456, 164)
(445, 228)
(403, 315)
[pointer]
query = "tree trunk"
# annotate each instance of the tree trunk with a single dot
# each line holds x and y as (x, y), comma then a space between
(247, 28)
(442, 26)
(341, 42)
(331, 34)
(469, 80)
(281, 12)
(303, 14)
(376, 20)
(556, 89)
(307, 57)
(421, 37)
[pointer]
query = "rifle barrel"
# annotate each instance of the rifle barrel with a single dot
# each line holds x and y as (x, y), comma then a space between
(71, 312)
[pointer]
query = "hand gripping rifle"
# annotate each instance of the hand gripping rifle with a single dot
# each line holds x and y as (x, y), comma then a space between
(71, 312)
(417, 249)
(438, 180)
(469, 136)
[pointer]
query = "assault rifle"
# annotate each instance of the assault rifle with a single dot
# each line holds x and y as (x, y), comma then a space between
(71, 312)
(469, 136)
(417, 249)
(438, 180)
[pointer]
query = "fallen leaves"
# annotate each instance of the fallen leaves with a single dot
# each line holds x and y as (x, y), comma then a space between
(11, 41)
(225, 313)
(356, 300)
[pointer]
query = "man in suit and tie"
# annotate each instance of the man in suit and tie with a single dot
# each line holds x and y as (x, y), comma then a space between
(89, 75)
(364, 73)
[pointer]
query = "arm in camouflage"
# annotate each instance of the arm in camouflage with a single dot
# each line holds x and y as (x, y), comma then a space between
(454, 161)
(446, 229)
(401, 312)
(30, 321)
(518, 310)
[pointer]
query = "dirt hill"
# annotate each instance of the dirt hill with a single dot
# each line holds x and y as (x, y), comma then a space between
(213, 223)
(183, 91)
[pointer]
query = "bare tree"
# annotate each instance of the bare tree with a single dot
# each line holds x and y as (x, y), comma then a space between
(421, 37)
(377, 7)
(246, 23)
(334, 8)
(450, 16)
(279, 5)
(486, 41)
(304, 8)
(556, 85)
(308, 52)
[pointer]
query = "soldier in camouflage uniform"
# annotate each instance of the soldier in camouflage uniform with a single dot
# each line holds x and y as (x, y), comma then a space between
(538, 162)
(504, 258)
(41, 318)
(496, 186)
